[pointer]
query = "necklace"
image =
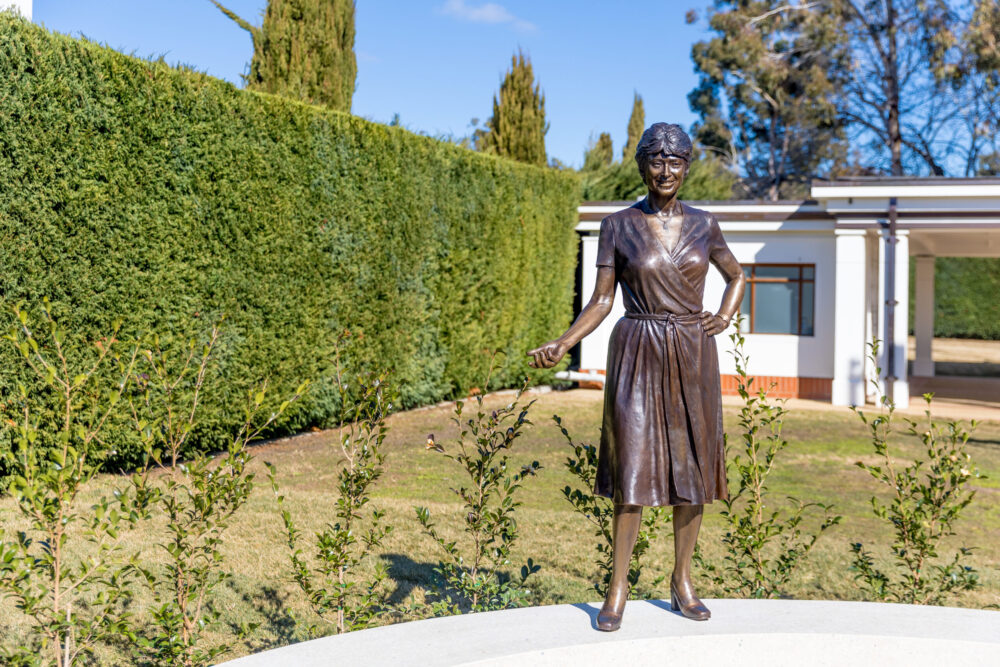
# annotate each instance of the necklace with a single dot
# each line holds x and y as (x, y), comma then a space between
(663, 214)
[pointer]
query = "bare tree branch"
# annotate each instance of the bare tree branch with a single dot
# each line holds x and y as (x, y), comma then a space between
(783, 8)
(246, 25)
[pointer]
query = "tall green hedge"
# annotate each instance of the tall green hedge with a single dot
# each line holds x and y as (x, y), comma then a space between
(165, 198)
(965, 297)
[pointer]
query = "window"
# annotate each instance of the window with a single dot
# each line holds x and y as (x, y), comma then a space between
(780, 299)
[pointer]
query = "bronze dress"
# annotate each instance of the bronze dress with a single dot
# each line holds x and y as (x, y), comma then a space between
(661, 440)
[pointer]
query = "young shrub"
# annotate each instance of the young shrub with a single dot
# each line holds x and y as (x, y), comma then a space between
(475, 570)
(197, 498)
(762, 548)
(330, 577)
(600, 511)
(926, 498)
(65, 571)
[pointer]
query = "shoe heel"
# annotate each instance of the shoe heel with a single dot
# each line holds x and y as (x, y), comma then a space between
(693, 609)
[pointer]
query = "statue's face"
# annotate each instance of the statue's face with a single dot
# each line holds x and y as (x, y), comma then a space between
(665, 174)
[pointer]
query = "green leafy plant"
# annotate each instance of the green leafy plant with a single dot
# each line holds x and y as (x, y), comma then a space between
(197, 498)
(330, 578)
(926, 498)
(762, 547)
(600, 512)
(65, 571)
(476, 570)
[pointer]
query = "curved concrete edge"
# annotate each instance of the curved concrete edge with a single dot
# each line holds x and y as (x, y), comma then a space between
(743, 632)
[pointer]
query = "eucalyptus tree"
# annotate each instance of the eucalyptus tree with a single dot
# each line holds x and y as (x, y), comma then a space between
(983, 158)
(916, 93)
(914, 83)
(768, 93)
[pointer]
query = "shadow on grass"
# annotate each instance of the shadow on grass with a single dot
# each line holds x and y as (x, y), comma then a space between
(991, 442)
(276, 625)
(408, 574)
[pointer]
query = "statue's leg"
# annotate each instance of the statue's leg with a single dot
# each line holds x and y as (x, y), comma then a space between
(624, 531)
(687, 523)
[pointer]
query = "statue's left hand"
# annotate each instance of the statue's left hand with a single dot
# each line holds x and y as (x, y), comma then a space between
(547, 355)
(713, 324)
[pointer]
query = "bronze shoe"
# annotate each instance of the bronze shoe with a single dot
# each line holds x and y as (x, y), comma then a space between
(691, 608)
(609, 620)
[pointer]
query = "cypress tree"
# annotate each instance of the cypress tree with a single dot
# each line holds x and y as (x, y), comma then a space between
(599, 154)
(636, 124)
(517, 128)
(303, 49)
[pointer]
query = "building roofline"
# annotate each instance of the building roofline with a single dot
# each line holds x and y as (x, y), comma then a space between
(729, 211)
(712, 202)
(810, 214)
(871, 181)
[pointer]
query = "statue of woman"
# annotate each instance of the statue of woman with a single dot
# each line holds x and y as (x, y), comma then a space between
(661, 438)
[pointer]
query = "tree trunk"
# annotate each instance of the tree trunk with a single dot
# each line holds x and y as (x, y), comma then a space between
(772, 166)
(892, 90)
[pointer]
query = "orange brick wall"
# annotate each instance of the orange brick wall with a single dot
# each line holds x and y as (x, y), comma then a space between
(783, 387)
(592, 385)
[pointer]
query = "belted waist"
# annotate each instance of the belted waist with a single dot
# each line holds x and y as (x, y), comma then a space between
(673, 318)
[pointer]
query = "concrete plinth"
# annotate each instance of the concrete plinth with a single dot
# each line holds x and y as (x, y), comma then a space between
(769, 633)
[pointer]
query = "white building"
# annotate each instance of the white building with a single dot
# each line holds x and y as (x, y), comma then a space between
(22, 6)
(829, 275)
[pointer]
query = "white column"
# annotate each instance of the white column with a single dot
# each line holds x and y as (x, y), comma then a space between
(849, 319)
(874, 311)
(22, 6)
(923, 317)
(900, 390)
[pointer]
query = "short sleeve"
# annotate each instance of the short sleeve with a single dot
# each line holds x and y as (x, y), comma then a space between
(719, 253)
(606, 244)
(716, 242)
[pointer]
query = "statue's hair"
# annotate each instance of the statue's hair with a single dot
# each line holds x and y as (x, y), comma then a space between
(662, 138)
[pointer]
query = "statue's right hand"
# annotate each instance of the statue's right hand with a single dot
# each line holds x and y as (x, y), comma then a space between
(547, 355)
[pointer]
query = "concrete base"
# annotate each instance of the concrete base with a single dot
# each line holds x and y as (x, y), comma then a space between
(769, 633)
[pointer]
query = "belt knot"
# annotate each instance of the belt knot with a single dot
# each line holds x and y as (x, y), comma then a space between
(672, 318)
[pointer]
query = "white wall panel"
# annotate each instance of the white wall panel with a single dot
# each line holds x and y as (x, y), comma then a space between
(776, 354)
(23, 6)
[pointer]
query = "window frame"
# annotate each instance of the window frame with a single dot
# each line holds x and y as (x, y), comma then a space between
(751, 294)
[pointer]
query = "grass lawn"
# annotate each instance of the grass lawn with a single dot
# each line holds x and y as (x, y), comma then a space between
(817, 466)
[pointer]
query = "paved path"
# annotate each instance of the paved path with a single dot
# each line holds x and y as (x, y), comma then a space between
(769, 633)
(960, 350)
(949, 408)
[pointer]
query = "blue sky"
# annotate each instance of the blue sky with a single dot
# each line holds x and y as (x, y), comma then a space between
(438, 63)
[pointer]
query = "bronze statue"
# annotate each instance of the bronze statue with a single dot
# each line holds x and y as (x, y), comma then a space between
(661, 440)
